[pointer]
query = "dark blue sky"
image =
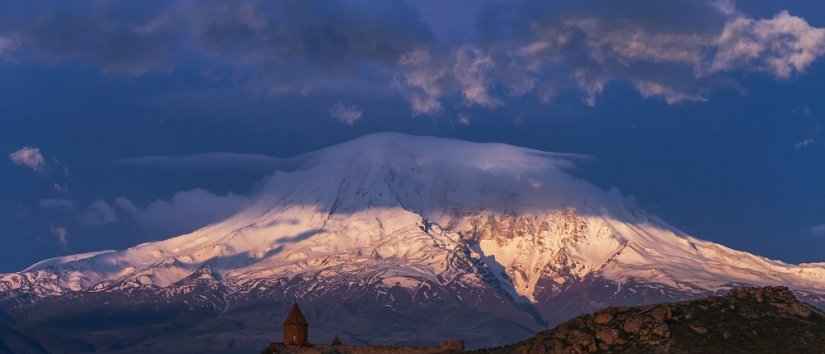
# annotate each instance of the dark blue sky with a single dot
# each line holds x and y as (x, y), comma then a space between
(709, 113)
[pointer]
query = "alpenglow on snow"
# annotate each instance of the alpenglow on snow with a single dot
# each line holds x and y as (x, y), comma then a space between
(391, 210)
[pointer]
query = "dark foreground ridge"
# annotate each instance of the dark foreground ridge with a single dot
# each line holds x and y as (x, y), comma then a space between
(747, 320)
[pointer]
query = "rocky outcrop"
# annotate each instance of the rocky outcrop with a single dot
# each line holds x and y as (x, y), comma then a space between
(746, 320)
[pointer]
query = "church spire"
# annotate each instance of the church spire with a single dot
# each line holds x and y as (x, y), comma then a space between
(296, 327)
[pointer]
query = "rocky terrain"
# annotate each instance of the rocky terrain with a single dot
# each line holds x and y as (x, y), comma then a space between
(747, 320)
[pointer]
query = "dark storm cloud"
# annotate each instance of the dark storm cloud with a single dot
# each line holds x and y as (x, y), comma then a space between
(117, 36)
(307, 46)
(284, 46)
(336, 34)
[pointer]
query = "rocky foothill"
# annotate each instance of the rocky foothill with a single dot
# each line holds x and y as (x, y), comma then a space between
(746, 320)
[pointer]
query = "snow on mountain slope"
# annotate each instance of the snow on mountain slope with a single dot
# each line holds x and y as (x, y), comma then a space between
(397, 210)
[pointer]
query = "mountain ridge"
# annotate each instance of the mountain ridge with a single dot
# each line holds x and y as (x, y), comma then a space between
(418, 222)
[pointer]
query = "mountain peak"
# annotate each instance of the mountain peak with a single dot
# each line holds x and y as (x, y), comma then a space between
(394, 210)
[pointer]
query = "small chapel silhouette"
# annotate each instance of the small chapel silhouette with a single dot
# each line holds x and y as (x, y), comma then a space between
(296, 340)
(296, 328)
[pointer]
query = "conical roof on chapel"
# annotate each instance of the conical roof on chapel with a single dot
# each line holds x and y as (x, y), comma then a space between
(295, 317)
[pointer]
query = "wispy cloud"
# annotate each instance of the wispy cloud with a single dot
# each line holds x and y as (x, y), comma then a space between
(98, 213)
(817, 230)
(7, 45)
(208, 161)
(347, 114)
(56, 203)
(61, 234)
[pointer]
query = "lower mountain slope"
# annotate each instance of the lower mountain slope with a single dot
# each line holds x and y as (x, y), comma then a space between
(12, 341)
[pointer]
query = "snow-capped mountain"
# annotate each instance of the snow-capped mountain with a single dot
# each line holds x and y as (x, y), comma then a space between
(414, 222)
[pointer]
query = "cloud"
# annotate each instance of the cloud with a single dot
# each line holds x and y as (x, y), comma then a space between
(670, 95)
(182, 212)
(782, 45)
(281, 46)
(29, 157)
(423, 81)
(804, 143)
(55, 203)
(677, 50)
(473, 70)
(61, 233)
(347, 114)
(117, 36)
(464, 119)
(185, 211)
(541, 49)
(99, 213)
(818, 230)
(7, 45)
(209, 161)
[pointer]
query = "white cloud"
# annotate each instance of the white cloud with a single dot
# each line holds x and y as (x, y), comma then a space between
(782, 45)
(727, 7)
(347, 114)
(422, 81)
(184, 212)
(671, 96)
(30, 157)
(472, 71)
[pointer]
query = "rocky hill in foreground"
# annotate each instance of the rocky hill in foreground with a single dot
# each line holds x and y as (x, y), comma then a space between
(747, 320)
